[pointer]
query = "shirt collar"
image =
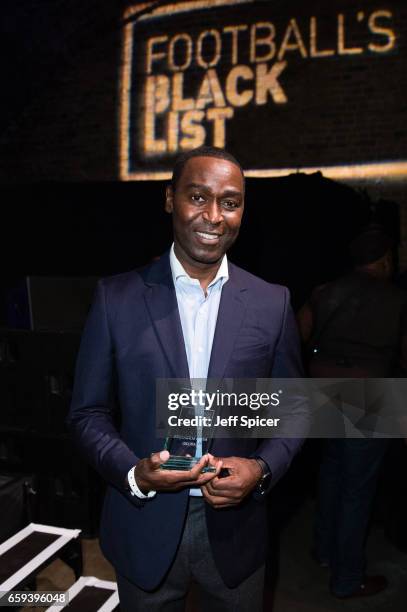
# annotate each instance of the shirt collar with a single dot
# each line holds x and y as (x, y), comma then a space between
(178, 271)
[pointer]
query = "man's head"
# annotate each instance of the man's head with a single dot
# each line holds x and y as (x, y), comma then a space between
(371, 252)
(203, 151)
(206, 200)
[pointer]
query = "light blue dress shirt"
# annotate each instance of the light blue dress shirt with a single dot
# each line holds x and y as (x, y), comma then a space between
(198, 313)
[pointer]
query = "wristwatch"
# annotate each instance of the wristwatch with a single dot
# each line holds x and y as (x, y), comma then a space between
(265, 479)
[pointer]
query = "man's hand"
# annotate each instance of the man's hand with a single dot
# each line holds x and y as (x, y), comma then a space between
(150, 477)
(244, 474)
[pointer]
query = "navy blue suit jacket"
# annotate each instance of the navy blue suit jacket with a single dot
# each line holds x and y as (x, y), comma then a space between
(133, 336)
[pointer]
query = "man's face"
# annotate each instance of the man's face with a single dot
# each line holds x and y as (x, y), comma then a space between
(207, 208)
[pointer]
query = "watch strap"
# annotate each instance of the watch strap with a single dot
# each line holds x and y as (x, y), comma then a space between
(134, 488)
(264, 481)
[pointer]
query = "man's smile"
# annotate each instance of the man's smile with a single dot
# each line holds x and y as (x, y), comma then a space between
(208, 237)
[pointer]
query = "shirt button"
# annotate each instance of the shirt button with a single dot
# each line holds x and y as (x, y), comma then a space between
(200, 349)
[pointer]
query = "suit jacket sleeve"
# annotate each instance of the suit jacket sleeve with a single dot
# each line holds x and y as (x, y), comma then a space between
(279, 452)
(91, 415)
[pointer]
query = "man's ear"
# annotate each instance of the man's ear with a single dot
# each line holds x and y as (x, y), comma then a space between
(169, 199)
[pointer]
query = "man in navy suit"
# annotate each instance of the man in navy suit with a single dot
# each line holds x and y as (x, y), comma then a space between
(191, 314)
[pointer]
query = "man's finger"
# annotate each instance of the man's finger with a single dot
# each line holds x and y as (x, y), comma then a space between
(191, 475)
(217, 502)
(224, 485)
(196, 477)
(220, 492)
(188, 477)
(181, 478)
(208, 476)
(214, 460)
(156, 459)
(196, 471)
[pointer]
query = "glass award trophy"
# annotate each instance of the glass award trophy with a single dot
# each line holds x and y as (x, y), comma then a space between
(189, 433)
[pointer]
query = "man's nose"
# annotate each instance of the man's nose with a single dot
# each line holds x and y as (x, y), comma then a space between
(212, 213)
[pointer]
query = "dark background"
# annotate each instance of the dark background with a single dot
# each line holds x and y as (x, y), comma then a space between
(295, 230)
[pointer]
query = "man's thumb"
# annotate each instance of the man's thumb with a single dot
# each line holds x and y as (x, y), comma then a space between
(158, 458)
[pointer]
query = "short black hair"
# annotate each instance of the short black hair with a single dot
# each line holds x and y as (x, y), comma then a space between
(203, 151)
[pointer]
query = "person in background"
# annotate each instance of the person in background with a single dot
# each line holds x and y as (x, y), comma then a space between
(354, 327)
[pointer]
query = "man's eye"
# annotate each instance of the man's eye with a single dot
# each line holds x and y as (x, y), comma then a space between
(230, 204)
(196, 197)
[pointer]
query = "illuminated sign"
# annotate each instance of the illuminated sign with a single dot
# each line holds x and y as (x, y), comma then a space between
(281, 91)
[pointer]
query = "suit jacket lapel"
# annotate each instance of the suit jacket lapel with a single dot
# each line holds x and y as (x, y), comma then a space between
(230, 318)
(162, 304)
(231, 313)
(161, 301)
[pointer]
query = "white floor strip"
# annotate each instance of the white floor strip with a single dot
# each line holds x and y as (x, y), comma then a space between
(65, 535)
(84, 581)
